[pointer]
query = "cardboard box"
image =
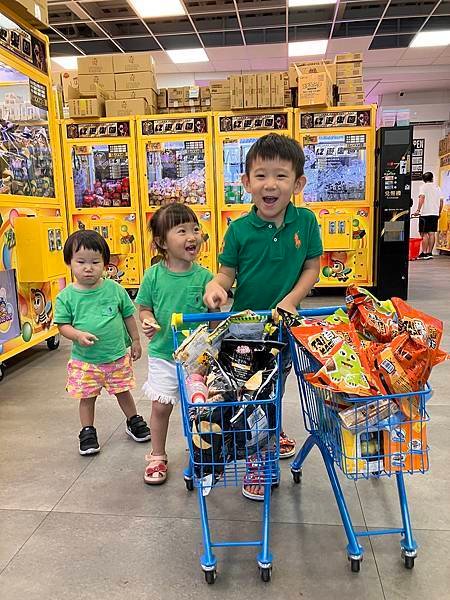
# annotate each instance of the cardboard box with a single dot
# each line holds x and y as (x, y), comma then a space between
(220, 102)
(141, 80)
(349, 57)
(250, 91)
(191, 96)
(34, 12)
(150, 95)
(406, 448)
(315, 89)
(317, 66)
(87, 107)
(205, 93)
(162, 98)
(175, 97)
(236, 91)
(87, 84)
(68, 78)
(128, 107)
(132, 62)
(263, 90)
(362, 452)
(279, 84)
(95, 65)
(352, 69)
(351, 99)
(219, 86)
(351, 86)
(349, 81)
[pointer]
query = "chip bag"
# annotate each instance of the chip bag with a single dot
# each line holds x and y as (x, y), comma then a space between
(373, 319)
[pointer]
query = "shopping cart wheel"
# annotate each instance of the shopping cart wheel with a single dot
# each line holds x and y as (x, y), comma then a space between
(409, 562)
(210, 576)
(355, 564)
(53, 342)
(189, 486)
(296, 475)
(266, 573)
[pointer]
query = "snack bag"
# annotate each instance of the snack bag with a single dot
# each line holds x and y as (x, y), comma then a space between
(373, 319)
(243, 358)
(321, 339)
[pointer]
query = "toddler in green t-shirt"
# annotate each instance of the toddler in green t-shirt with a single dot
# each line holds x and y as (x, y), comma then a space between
(273, 252)
(96, 314)
(176, 284)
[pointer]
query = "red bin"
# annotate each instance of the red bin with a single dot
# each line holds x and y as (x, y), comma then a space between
(414, 248)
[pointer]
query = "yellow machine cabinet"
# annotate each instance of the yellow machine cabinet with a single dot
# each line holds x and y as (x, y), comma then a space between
(235, 132)
(176, 165)
(32, 210)
(443, 238)
(339, 146)
(102, 190)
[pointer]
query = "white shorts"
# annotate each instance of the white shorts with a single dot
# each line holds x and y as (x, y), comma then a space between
(162, 383)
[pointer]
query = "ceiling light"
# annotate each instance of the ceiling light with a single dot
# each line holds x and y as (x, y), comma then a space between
(155, 9)
(299, 3)
(310, 48)
(190, 55)
(426, 39)
(66, 62)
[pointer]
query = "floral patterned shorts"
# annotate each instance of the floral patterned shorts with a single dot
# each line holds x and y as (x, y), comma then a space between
(86, 380)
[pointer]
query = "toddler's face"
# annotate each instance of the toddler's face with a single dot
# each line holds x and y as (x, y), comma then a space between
(183, 242)
(272, 184)
(87, 267)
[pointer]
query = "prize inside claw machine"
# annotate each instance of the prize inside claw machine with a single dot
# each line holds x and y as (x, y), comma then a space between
(235, 133)
(443, 237)
(101, 181)
(175, 164)
(32, 213)
(339, 150)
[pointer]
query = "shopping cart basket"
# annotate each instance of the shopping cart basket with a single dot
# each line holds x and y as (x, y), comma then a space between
(230, 442)
(376, 436)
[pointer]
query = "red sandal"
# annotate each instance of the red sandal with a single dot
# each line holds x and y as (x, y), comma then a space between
(156, 470)
(287, 446)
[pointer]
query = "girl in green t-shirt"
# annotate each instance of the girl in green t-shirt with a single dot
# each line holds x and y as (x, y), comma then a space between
(175, 284)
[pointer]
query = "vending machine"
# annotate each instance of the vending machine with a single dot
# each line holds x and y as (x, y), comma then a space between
(176, 165)
(102, 190)
(339, 146)
(32, 211)
(443, 237)
(393, 205)
(234, 134)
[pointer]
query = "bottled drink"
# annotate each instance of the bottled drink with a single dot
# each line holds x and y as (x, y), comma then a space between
(196, 388)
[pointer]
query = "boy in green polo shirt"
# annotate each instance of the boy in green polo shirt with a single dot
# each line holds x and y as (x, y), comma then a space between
(274, 251)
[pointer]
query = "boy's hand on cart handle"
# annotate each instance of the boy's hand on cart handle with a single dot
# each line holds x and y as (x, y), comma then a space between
(150, 328)
(215, 296)
(84, 338)
(136, 350)
(287, 305)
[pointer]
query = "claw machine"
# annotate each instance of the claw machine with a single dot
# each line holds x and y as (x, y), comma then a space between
(102, 190)
(32, 212)
(235, 132)
(176, 165)
(443, 236)
(339, 146)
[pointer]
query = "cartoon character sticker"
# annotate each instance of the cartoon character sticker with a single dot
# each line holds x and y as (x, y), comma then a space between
(337, 267)
(42, 308)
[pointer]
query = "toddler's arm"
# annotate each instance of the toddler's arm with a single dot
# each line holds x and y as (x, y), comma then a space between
(148, 321)
(216, 291)
(84, 338)
(305, 283)
(136, 349)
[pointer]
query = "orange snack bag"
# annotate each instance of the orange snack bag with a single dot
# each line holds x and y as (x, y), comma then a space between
(373, 319)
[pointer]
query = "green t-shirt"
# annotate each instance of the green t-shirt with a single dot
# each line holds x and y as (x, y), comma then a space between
(165, 292)
(269, 261)
(100, 311)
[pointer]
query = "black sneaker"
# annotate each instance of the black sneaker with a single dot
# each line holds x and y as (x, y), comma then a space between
(88, 441)
(422, 256)
(428, 256)
(138, 429)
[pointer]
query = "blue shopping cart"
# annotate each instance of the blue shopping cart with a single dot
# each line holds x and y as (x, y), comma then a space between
(365, 437)
(230, 442)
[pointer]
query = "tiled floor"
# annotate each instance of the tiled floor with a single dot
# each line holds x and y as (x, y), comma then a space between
(75, 527)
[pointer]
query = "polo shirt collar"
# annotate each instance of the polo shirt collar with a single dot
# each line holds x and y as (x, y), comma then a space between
(289, 216)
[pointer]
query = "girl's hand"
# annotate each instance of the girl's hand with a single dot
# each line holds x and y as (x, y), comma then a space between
(85, 338)
(150, 328)
(136, 350)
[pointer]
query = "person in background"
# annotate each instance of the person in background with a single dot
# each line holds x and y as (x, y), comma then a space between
(428, 211)
(96, 314)
(273, 252)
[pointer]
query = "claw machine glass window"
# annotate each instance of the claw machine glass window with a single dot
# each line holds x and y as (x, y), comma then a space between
(101, 175)
(176, 172)
(335, 167)
(26, 167)
(234, 155)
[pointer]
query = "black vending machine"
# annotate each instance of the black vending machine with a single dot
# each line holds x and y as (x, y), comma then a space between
(392, 211)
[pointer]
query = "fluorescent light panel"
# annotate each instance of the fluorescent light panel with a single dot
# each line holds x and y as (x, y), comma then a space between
(66, 62)
(156, 9)
(427, 39)
(301, 3)
(310, 48)
(189, 55)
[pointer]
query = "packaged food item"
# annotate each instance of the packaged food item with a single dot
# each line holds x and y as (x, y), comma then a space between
(195, 349)
(243, 358)
(363, 416)
(406, 447)
(373, 319)
(196, 388)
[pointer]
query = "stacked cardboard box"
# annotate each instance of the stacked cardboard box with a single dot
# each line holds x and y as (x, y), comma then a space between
(184, 99)
(92, 106)
(220, 94)
(35, 12)
(444, 145)
(315, 85)
(349, 78)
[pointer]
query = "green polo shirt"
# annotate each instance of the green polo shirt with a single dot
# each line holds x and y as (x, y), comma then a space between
(269, 261)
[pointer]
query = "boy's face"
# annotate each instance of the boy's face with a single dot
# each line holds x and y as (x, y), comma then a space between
(271, 184)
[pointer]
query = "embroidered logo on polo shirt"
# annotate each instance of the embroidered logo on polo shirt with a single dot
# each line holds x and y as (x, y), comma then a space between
(297, 240)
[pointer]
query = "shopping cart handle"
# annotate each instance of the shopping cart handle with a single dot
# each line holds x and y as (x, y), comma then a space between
(179, 318)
